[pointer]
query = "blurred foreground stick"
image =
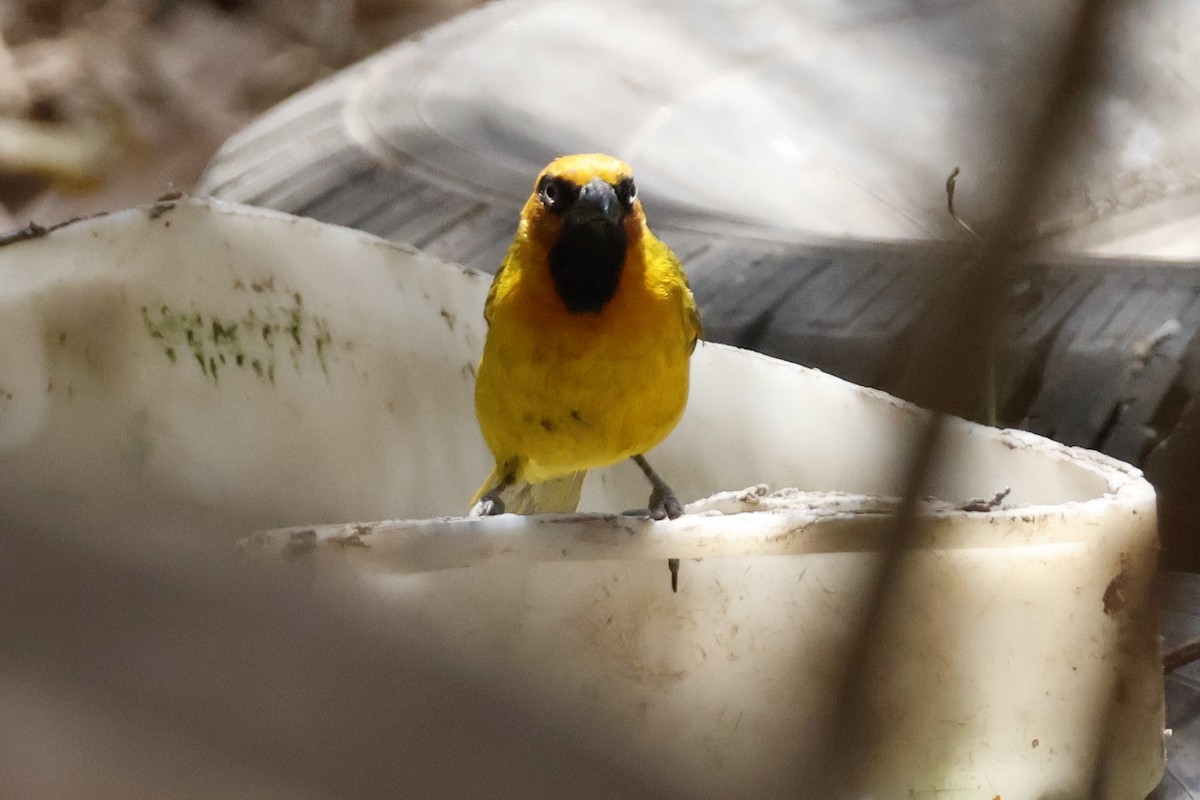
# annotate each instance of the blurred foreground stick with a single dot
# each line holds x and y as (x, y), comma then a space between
(955, 343)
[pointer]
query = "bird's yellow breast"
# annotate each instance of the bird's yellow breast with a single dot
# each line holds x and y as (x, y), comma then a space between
(560, 391)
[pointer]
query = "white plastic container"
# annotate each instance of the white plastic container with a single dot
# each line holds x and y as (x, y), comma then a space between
(328, 378)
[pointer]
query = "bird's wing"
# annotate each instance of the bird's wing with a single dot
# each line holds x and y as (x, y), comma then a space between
(668, 264)
(499, 280)
(692, 316)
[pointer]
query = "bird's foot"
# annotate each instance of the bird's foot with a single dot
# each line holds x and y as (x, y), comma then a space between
(664, 504)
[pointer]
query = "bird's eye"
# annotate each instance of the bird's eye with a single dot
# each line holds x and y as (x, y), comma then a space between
(556, 195)
(626, 192)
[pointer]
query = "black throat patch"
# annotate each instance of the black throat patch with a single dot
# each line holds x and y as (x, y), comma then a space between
(586, 264)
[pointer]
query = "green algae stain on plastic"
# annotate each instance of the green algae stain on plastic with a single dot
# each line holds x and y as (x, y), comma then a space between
(255, 343)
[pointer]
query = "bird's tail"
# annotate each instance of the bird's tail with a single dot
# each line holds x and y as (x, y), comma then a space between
(555, 496)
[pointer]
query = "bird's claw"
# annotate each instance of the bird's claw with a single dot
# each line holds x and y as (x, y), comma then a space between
(664, 504)
(488, 507)
(661, 506)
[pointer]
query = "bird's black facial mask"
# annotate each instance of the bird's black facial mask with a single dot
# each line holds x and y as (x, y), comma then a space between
(586, 261)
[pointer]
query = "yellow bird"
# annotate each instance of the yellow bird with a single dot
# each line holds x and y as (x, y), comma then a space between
(591, 325)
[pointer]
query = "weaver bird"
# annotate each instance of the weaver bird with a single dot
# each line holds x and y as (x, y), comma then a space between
(591, 324)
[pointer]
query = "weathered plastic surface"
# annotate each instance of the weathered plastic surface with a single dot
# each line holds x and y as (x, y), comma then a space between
(199, 369)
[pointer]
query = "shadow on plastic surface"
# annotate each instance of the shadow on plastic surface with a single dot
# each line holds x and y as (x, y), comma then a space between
(249, 684)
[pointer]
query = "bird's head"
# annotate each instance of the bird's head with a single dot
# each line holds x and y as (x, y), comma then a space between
(590, 190)
(582, 220)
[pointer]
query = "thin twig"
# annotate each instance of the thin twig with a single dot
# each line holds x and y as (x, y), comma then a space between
(985, 503)
(992, 414)
(950, 184)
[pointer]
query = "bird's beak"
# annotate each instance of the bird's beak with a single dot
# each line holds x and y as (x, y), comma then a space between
(597, 202)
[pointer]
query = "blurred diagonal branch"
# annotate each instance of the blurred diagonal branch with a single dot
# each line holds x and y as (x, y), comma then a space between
(961, 324)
